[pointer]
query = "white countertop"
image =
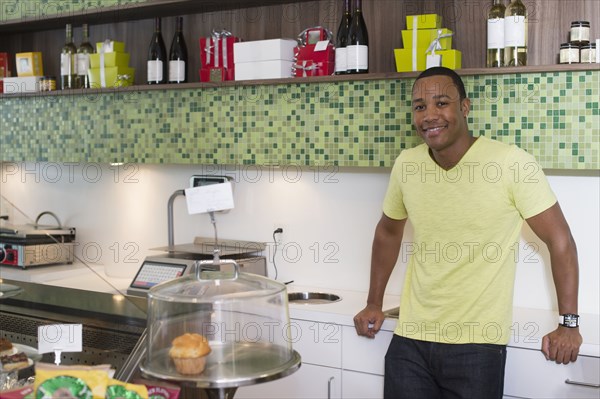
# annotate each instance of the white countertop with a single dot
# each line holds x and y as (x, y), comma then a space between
(529, 325)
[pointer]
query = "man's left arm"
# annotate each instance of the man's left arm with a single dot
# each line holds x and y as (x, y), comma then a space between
(561, 345)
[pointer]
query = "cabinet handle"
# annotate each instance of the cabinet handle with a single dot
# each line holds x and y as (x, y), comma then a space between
(329, 387)
(583, 384)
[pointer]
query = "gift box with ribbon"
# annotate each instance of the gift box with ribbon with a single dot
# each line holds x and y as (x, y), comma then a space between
(313, 68)
(216, 55)
(4, 69)
(109, 67)
(315, 53)
(264, 59)
(433, 58)
(425, 48)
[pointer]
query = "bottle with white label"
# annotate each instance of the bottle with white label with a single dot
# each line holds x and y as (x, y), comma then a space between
(68, 66)
(357, 48)
(341, 64)
(157, 57)
(515, 34)
(178, 56)
(83, 59)
(495, 35)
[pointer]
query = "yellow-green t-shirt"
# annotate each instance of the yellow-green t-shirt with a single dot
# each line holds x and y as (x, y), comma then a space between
(467, 221)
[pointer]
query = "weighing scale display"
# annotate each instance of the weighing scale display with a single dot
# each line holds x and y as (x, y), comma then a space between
(152, 273)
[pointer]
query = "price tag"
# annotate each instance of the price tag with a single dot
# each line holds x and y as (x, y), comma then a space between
(322, 45)
(210, 198)
(433, 60)
(60, 337)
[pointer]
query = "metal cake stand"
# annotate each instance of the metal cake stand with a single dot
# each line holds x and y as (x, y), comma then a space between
(228, 367)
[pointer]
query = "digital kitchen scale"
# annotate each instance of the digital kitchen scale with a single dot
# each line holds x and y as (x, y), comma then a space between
(180, 260)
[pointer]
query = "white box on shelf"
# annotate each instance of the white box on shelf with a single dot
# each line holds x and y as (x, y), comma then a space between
(274, 69)
(17, 85)
(264, 50)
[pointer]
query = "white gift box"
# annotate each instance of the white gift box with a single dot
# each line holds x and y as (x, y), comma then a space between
(273, 69)
(264, 59)
(264, 50)
(27, 84)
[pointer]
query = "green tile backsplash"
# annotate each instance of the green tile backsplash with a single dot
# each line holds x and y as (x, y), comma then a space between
(555, 116)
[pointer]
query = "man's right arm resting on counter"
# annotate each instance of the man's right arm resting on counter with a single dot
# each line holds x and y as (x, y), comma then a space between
(385, 251)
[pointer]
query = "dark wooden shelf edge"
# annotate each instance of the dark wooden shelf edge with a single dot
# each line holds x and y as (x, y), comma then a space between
(308, 80)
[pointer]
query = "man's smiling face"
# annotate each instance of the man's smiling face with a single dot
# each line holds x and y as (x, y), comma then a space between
(439, 115)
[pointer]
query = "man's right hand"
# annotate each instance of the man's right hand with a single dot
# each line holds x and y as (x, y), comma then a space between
(368, 321)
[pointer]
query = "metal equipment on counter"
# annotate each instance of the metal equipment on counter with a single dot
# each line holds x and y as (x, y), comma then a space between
(179, 260)
(35, 244)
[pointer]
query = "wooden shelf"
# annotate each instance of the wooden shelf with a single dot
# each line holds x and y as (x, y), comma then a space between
(308, 80)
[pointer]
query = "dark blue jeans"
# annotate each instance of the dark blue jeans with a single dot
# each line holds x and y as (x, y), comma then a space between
(428, 370)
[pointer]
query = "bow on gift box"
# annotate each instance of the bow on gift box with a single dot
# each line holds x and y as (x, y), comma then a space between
(434, 59)
(314, 66)
(216, 38)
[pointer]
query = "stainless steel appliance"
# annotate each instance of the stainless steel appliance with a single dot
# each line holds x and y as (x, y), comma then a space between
(35, 244)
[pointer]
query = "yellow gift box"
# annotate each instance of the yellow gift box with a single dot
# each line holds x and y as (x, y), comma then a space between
(110, 46)
(424, 21)
(113, 77)
(110, 60)
(404, 59)
(29, 64)
(425, 37)
(451, 58)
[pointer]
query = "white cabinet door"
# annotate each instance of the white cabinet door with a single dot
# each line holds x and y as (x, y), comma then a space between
(530, 375)
(308, 382)
(365, 354)
(361, 385)
(317, 343)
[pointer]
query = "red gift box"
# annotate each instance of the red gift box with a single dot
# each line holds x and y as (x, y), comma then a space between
(4, 70)
(308, 53)
(311, 68)
(314, 63)
(217, 74)
(217, 51)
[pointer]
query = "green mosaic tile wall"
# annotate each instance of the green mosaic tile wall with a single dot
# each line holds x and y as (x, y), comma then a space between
(17, 9)
(555, 116)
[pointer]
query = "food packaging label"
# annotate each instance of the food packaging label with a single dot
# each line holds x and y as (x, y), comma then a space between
(29, 64)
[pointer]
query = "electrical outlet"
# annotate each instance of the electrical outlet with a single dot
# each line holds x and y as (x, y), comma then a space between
(278, 231)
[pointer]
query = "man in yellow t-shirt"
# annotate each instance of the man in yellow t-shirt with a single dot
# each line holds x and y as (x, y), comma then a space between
(466, 198)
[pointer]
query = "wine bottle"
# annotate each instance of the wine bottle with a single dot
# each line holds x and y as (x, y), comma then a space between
(178, 56)
(495, 35)
(157, 57)
(83, 59)
(515, 34)
(341, 64)
(68, 67)
(357, 48)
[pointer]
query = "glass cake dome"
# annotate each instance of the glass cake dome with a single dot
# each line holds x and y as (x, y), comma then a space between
(243, 317)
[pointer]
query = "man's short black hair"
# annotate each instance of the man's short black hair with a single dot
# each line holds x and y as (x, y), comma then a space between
(436, 71)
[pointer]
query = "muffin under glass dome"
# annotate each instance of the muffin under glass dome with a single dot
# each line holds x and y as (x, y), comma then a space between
(244, 317)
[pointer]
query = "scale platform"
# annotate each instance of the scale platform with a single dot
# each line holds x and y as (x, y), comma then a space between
(179, 260)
